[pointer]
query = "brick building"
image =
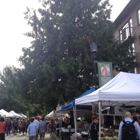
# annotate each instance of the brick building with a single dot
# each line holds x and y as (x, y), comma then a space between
(128, 24)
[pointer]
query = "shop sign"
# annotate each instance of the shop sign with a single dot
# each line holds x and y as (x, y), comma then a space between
(104, 72)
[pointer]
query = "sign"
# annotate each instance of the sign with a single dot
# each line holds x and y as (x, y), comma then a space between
(104, 72)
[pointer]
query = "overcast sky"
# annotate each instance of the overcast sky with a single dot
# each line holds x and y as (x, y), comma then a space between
(13, 25)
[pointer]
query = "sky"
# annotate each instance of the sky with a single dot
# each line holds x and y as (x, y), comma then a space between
(13, 26)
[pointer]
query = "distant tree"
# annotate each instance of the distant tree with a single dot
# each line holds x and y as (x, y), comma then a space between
(10, 91)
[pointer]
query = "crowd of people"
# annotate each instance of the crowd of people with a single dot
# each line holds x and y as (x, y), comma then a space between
(34, 127)
(37, 127)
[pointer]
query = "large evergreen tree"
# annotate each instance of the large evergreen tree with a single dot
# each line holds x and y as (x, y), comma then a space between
(59, 63)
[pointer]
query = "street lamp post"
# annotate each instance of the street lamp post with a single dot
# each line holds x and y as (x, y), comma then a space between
(93, 50)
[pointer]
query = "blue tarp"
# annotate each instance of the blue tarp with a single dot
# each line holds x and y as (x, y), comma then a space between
(71, 104)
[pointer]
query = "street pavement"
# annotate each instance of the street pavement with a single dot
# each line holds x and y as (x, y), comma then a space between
(26, 137)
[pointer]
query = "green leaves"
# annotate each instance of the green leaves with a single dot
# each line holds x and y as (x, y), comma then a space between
(64, 65)
(58, 66)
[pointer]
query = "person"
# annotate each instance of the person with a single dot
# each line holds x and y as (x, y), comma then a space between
(57, 127)
(2, 129)
(20, 126)
(135, 118)
(52, 126)
(139, 121)
(32, 129)
(42, 128)
(8, 126)
(23, 126)
(93, 129)
(123, 130)
(37, 123)
(65, 122)
(15, 125)
(27, 124)
(71, 119)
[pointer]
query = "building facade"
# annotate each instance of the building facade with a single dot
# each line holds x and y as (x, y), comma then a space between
(128, 24)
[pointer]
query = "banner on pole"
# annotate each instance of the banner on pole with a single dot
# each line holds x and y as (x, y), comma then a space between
(104, 72)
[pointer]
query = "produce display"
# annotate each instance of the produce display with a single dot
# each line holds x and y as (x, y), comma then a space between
(109, 135)
(111, 138)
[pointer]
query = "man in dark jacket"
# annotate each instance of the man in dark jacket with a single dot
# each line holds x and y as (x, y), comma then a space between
(93, 128)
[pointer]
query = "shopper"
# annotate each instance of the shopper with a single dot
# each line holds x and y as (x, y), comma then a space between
(15, 125)
(52, 126)
(93, 128)
(128, 128)
(42, 128)
(8, 126)
(36, 121)
(2, 129)
(32, 130)
(23, 126)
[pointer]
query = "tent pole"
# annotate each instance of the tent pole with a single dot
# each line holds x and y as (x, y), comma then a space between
(92, 108)
(99, 110)
(75, 122)
(61, 118)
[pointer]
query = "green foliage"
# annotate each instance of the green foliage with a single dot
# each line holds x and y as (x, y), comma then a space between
(58, 66)
(10, 91)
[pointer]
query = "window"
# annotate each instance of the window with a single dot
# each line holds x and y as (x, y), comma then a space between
(133, 50)
(126, 30)
(138, 14)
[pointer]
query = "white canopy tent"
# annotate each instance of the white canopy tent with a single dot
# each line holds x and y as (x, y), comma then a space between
(6, 113)
(51, 114)
(2, 114)
(24, 116)
(123, 89)
(14, 114)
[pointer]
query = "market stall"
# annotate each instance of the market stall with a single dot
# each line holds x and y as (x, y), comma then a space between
(2, 114)
(74, 109)
(5, 113)
(24, 116)
(15, 114)
(51, 114)
(70, 105)
(122, 90)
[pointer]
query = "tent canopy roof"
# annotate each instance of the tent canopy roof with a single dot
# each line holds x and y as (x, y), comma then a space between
(2, 114)
(71, 104)
(14, 114)
(51, 114)
(122, 89)
(6, 113)
(23, 115)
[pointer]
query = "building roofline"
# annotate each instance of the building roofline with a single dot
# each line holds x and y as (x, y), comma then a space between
(126, 11)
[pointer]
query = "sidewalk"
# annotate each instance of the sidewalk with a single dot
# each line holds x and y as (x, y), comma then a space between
(25, 137)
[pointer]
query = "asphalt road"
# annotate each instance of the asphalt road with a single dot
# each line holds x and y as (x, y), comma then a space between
(25, 137)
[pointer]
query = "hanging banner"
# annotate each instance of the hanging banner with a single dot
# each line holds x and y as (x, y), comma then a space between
(104, 72)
